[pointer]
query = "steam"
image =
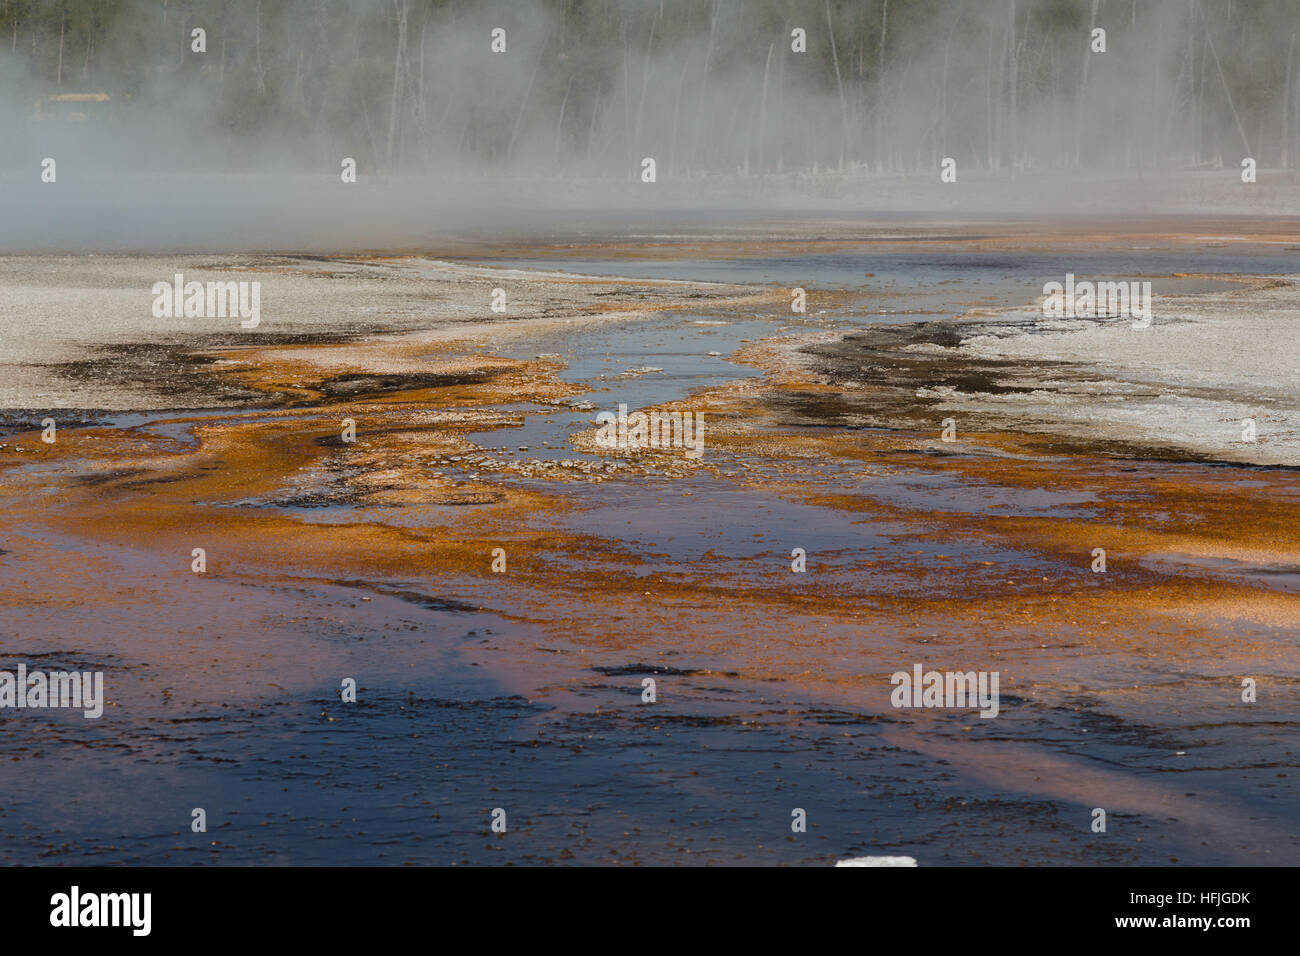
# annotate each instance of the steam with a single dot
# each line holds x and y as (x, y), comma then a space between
(241, 146)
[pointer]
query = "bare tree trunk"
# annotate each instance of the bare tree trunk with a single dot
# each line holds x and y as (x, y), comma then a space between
(880, 86)
(591, 129)
(1295, 117)
(844, 110)
(1148, 120)
(559, 123)
(1286, 107)
(60, 81)
(402, 8)
(762, 109)
(1013, 101)
(943, 89)
(990, 119)
(257, 47)
(704, 83)
(419, 89)
(627, 107)
(780, 110)
(1198, 83)
(645, 76)
(1083, 88)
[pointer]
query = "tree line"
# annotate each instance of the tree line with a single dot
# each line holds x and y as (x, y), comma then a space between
(705, 86)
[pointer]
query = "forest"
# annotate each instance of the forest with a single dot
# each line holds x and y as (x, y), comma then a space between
(732, 87)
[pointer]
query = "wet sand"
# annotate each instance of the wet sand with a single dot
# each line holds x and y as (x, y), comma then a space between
(522, 689)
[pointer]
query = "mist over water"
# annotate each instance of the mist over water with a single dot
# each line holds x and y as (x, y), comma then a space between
(752, 107)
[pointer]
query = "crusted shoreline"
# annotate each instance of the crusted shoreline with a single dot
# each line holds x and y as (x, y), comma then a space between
(1182, 393)
(376, 557)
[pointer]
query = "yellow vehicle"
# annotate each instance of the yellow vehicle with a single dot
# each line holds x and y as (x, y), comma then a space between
(73, 107)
